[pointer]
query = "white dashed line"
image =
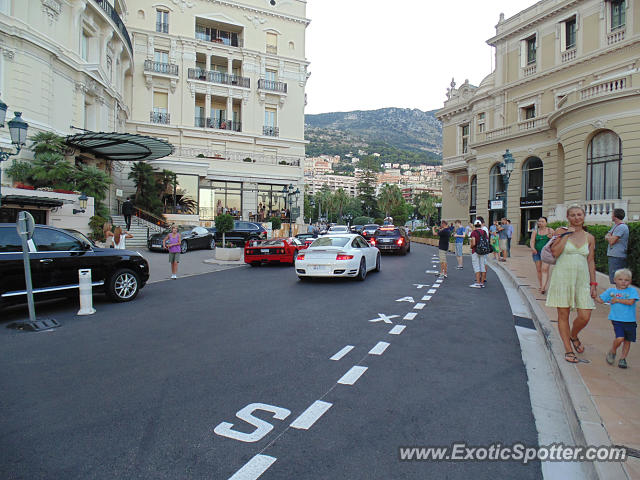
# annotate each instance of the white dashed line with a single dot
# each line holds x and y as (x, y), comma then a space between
(342, 353)
(254, 468)
(426, 298)
(379, 348)
(419, 306)
(432, 291)
(352, 375)
(311, 415)
(410, 316)
(439, 280)
(406, 299)
(397, 330)
(435, 285)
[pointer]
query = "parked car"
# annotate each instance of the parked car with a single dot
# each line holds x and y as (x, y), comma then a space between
(392, 239)
(274, 250)
(56, 255)
(192, 237)
(356, 229)
(369, 229)
(344, 255)
(241, 233)
(307, 238)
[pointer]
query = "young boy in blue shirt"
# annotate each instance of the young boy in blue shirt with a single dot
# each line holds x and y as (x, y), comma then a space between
(623, 300)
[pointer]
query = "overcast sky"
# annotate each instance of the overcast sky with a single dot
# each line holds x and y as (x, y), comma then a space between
(369, 54)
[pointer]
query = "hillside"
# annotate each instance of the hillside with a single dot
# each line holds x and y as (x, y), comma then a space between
(398, 134)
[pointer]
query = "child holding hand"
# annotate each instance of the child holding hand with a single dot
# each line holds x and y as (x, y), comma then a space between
(623, 300)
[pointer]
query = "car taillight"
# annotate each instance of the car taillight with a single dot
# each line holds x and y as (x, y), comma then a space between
(343, 256)
(300, 256)
(400, 241)
(373, 242)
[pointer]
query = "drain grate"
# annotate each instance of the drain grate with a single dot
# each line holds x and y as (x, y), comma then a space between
(37, 326)
(523, 322)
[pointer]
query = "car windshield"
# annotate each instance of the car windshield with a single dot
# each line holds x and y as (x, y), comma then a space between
(272, 243)
(331, 242)
(388, 232)
(337, 228)
(304, 236)
(370, 227)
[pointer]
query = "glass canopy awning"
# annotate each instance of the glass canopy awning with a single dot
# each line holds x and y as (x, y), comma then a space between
(122, 147)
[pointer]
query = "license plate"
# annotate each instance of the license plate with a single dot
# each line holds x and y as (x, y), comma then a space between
(319, 268)
(265, 250)
(157, 245)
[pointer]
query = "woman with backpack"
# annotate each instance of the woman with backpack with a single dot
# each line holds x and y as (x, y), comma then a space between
(480, 248)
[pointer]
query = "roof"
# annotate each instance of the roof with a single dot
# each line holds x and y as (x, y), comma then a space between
(31, 200)
(121, 147)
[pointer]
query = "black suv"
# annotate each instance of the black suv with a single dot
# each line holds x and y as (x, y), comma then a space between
(56, 255)
(390, 238)
(241, 233)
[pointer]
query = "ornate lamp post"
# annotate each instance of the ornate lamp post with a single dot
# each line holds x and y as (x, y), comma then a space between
(348, 217)
(506, 168)
(312, 204)
(82, 199)
(18, 132)
(290, 193)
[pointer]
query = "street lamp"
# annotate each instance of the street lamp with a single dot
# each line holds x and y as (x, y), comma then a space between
(82, 199)
(506, 168)
(290, 193)
(17, 131)
(348, 217)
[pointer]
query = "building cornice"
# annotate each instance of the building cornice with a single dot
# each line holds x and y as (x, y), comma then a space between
(261, 11)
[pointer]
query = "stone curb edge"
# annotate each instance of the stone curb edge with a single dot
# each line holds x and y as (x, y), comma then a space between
(587, 427)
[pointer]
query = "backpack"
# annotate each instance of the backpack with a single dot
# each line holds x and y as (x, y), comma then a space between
(483, 247)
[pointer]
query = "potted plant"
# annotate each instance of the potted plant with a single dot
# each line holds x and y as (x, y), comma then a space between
(224, 224)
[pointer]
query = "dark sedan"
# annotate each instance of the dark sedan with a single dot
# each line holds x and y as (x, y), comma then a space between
(241, 233)
(191, 238)
(392, 239)
(56, 256)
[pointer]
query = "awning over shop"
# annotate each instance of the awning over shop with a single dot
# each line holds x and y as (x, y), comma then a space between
(32, 201)
(121, 147)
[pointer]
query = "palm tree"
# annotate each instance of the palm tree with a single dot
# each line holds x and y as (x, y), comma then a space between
(427, 206)
(338, 200)
(143, 176)
(389, 198)
(47, 142)
(52, 170)
(92, 182)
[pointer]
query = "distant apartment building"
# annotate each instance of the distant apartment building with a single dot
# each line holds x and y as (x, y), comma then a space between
(563, 99)
(410, 192)
(334, 182)
(224, 82)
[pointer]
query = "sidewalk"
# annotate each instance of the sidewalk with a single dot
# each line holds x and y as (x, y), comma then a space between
(614, 392)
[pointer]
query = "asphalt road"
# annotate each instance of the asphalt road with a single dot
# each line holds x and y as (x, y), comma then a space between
(149, 389)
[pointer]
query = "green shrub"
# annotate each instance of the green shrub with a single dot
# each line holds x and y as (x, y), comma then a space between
(599, 231)
(633, 251)
(224, 224)
(379, 221)
(95, 224)
(20, 171)
(362, 220)
(276, 223)
(555, 225)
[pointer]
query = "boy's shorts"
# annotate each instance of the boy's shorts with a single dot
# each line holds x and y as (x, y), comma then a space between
(626, 330)
(443, 256)
(458, 249)
(479, 263)
(174, 257)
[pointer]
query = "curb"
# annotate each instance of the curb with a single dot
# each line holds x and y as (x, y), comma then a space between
(586, 425)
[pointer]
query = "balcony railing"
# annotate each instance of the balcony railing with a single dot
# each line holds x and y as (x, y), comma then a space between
(569, 55)
(605, 88)
(235, 156)
(615, 37)
(270, 131)
(162, 27)
(160, 67)
(532, 123)
(272, 86)
(159, 117)
(497, 133)
(233, 41)
(218, 77)
(202, 122)
(108, 8)
(528, 71)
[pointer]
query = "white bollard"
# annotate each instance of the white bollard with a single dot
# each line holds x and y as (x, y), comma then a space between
(86, 293)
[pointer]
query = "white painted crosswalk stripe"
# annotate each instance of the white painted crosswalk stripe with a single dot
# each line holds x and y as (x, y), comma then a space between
(379, 348)
(397, 330)
(419, 306)
(435, 285)
(254, 468)
(352, 375)
(311, 415)
(426, 298)
(342, 353)
(432, 291)
(409, 316)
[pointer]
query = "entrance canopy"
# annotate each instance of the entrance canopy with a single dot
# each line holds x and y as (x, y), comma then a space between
(122, 147)
(32, 201)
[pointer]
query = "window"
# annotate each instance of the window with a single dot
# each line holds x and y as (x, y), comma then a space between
(532, 178)
(162, 21)
(9, 240)
(272, 43)
(529, 112)
(618, 14)
(464, 134)
(496, 183)
(481, 124)
(604, 162)
(48, 240)
(84, 46)
(270, 75)
(210, 34)
(270, 117)
(531, 50)
(570, 34)
(161, 56)
(160, 102)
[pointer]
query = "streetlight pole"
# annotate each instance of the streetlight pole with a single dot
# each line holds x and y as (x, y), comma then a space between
(289, 193)
(506, 168)
(18, 132)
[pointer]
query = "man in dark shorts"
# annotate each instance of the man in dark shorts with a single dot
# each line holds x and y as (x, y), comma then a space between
(444, 234)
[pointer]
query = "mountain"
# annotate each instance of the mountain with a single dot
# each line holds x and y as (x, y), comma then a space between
(398, 134)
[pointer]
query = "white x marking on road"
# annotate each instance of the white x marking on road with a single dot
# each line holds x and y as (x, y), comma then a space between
(383, 318)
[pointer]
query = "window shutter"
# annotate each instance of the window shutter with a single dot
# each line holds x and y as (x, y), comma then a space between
(160, 101)
(523, 53)
(563, 36)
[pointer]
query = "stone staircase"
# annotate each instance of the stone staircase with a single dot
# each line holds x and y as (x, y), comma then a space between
(138, 230)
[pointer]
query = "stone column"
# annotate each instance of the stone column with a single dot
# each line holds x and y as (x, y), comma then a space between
(207, 108)
(229, 108)
(207, 62)
(230, 65)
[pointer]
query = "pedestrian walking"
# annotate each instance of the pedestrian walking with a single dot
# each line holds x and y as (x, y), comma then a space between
(444, 234)
(120, 238)
(459, 236)
(539, 238)
(502, 238)
(618, 240)
(622, 300)
(172, 242)
(573, 283)
(127, 211)
(107, 233)
(509, 235)
(480, 248)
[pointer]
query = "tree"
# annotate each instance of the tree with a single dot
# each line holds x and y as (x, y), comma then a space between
(426, 205)
(47, 142)
(94, 183)
(50, 169)
(148, 188)
(367, 193)
(224, 224)
(390, 198)
(338, 201)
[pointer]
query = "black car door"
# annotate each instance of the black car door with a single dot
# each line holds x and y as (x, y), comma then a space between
(12, 265)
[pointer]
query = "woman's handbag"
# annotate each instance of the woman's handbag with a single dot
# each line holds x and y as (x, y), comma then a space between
(545, 254)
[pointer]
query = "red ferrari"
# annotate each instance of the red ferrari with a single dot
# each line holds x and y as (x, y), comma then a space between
(274, 250)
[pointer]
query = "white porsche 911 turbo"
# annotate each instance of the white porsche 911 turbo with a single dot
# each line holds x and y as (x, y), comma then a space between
(338, 255)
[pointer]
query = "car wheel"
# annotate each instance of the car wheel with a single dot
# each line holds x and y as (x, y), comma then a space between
(362, 272)
(212, 244)
(409, 249)
(184, 246)
(378, 262)
(123, 285)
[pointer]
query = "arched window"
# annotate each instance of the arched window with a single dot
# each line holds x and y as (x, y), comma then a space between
(496, 183)
(474, 191)
(604, 162)
(532, 177)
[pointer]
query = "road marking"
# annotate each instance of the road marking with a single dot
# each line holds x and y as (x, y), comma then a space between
(410, 316)
(353, 374)
(439, 280)
(435, 285)
(254, 468)
(342, 353)
(311, 415)
(406, 299)
(431, 271)
(432, 291)
(383, 318)
(397, 330)
(426, 298)
(420, 286)
(419, 306)
(379, 348)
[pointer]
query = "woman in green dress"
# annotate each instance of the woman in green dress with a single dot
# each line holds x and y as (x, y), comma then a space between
(539, 238)
(573, 281)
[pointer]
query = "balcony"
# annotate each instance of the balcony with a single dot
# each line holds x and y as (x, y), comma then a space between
(160, 67)
(529, 70)
(616, 36)
(269, 131)
(202, 122)
(597, 211)
(238, 157)
(215, 35)
(108, 8)
(532, 123)
(605, 88)
(272, 86)
(161, 118)
(568, 55)
(217, 77)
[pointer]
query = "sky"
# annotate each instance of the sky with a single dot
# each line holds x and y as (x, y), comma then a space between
(370, 54)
